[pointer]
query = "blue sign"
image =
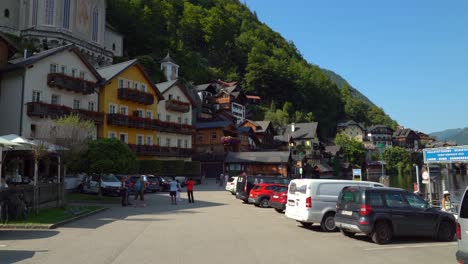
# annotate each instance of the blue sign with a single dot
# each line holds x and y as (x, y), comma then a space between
(446, 155)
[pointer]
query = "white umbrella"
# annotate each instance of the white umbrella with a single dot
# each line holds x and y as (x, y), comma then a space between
(5, 143)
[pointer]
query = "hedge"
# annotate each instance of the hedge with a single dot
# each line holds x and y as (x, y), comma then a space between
(169, 167)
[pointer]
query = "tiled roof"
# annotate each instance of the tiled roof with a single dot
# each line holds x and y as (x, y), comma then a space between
(263, 126)
(164, 86)
(301, 131)
(258, 157)
(111, 71)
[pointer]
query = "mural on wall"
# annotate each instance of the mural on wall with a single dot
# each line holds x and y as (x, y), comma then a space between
(83, 17)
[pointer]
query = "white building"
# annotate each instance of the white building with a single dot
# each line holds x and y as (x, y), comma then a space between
(52, 23)
(48, 85)
(176, 108)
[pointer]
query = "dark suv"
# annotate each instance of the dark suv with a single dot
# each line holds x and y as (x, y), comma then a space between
(383, 213)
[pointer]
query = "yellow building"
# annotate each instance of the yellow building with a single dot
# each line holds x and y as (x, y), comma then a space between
(129, 101)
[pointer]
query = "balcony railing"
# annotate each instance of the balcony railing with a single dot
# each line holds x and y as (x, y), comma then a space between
(40, 109)
(171, 127)
(135, 96)
(147, 150)
(175, 105)
(65, 82)
(131, 121)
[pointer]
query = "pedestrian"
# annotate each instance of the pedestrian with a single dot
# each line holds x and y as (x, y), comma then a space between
(190, 184)
(179, 189)
(226, 178)
(203, 177)
(140, 187)
(173, 190)
(221, 179)
(123, 191)
(447, 204)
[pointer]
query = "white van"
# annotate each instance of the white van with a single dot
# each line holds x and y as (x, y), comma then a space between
(314, 200)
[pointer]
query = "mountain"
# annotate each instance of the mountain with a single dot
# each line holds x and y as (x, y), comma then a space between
(223, 39)
(459, 135)
(341, 82)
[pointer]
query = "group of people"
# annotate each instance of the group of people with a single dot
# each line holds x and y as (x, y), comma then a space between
(139, 188)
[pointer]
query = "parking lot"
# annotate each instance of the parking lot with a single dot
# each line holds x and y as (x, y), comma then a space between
(217, 228)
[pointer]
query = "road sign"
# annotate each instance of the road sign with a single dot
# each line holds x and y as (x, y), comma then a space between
(357, 174)
(425, 175)
(425, 181)
(446, 155)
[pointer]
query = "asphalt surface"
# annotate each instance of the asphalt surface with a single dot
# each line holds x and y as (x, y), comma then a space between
(217, 228)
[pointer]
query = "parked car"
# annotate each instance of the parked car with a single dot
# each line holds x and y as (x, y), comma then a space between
(279, 199)
(261, 193)
(110, 185)
(246, 182)
(163, 183)
(231, 185)
(383, 213)
(153, 184)
(462, 230)
(182, 179)
(314, 200)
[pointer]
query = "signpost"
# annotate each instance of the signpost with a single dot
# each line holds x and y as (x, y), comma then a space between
(357, 174)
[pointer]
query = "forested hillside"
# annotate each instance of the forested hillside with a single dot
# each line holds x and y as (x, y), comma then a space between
(223, 39)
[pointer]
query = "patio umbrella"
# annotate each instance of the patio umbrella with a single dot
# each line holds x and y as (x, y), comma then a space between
(4, 143)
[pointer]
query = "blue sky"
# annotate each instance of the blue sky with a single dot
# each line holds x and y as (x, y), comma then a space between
(408, 57)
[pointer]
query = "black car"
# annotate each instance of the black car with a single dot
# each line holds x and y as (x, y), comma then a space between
(383, 213)
(245, 183)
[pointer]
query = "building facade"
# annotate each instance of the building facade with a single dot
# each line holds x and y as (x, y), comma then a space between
(352, 129)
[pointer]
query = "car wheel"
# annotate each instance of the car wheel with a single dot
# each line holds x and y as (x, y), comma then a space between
(305, 224)
(382, 233)
(445, 232)
(328, 223)
(347, 234)
(264, 203)
(279, 210)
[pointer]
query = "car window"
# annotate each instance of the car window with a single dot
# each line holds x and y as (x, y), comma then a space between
(351, 196)
(375, 199)
(293, 188)
(331, 189)
(464, 206)
(95, 177)
(416, 202)
(256, 187)
(395, 200)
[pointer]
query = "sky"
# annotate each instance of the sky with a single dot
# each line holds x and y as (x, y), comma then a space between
(408, 57)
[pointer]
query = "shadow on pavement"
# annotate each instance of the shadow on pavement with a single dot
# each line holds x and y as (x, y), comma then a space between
(400, 240)
(13, 256)
(18, 234)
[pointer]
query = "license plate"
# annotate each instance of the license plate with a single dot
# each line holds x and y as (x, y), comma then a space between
(291, 203)
(275, 196)
(344, 212)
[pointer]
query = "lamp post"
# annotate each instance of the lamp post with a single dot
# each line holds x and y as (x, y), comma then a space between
(417, 176)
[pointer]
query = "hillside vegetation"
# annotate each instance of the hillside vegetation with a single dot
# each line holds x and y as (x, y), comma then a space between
(459, 135)
(223, 39)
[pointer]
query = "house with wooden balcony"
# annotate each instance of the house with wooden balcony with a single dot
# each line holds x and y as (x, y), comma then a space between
(130, 100)
(406, 138)
(263, 129)
(175, 111)
(48, 85)
(352, 129)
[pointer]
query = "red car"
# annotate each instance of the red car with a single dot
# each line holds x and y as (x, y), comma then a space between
(279, 199)
(261, 193)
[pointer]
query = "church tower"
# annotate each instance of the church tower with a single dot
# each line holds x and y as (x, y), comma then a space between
(170, 68)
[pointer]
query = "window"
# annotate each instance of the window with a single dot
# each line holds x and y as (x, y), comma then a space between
(159, 141)
(136, 85)
(168, 118)
(121, 83)
(124, 110)
(91, 106)
(149, 140)
(178, 98)
(416, 202)
(139, 140)
(129, 84)
(213, 136)
(159, 116)
(95, 26)
(124, 137)
(113, 46)
(53, 68)
(112, 109)
(55, 99)
(143, 88)
(36, 96)
(149, 114)
(375, 199)
(82, 75)
(179, 143)
(168, 142)
(76, 104)
(63, 69)
(6, 13)
(112, 135)
(199, 138)
(139, 113)
(179, 120)
(74, 71)
(49, 12)
(395, 200)
(66, 14)
(186, 120)
(186, 143)
(170, 97)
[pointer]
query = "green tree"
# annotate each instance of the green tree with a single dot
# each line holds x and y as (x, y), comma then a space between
(110, 156)
(396, 157)
(353, 150)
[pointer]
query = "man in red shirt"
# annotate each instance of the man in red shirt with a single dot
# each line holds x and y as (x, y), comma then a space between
(190, 184)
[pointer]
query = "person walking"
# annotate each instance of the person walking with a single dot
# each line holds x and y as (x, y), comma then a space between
(190, 183)
(124, 191)
(140, 187)
(447, 204)
(221, 179)
(226, 178)
(173, 190)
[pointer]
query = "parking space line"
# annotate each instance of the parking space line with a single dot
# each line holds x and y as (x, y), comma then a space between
(3, 245)
(412, 246)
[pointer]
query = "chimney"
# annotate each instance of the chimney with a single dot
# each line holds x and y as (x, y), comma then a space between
(293, 127)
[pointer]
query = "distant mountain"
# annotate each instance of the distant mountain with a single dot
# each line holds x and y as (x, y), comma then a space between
(341, 82)
(459, 135)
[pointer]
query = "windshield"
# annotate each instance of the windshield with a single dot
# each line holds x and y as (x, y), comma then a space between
(109, 178)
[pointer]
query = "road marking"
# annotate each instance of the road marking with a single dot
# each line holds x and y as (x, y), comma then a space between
(413, 246)
(3, 245)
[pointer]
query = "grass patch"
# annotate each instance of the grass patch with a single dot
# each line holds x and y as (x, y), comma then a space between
(55, 215)
(82, 197)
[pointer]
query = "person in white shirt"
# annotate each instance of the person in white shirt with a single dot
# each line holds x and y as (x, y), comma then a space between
(173, 187)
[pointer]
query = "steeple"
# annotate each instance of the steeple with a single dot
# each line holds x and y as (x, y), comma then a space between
(170, 68)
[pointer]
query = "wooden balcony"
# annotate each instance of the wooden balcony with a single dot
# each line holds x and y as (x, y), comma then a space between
(131, 121)
(178, 106)
(171, 127)
(135, 96)
(40, 109)
(147, 150)
(96, 117)
(65, 82)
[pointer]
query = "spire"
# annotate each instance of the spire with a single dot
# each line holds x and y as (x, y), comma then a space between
(170, 68)
(168, 59)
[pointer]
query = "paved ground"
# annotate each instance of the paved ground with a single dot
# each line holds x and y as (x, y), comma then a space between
(216, 229)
